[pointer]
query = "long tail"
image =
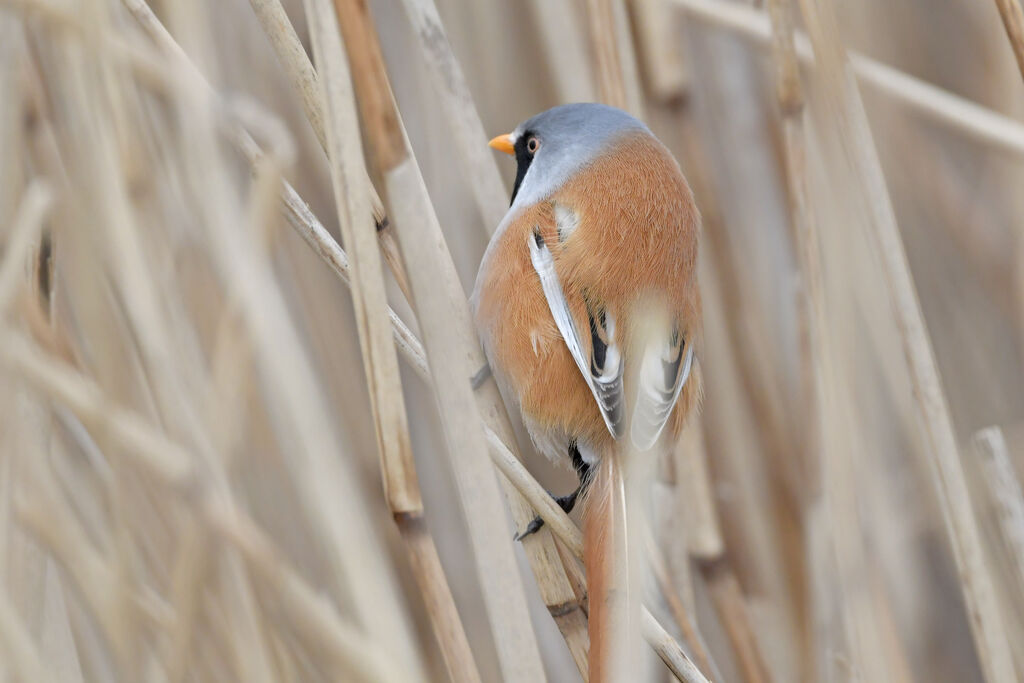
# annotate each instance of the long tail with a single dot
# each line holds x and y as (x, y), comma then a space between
(605, 559)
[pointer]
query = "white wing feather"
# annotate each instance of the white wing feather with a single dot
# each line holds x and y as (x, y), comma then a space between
(605, 383)
(658, 391)
(663, 370)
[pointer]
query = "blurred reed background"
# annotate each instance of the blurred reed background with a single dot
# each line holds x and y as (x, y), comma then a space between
(214, 465)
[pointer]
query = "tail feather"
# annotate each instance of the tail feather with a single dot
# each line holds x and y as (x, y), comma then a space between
(605, 561)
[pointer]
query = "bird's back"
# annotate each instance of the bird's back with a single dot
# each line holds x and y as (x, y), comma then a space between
(623, 234)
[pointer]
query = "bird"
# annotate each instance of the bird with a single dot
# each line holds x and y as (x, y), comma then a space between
(588, 307)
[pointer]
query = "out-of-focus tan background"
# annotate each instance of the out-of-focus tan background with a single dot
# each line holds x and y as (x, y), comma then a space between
(166, 317)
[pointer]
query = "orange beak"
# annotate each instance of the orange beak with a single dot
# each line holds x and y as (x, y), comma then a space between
(503, 143)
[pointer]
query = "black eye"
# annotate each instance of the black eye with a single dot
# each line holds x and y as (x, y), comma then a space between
(532, 145)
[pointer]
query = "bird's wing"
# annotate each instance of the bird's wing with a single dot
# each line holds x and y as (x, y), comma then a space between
(601, 361)
(664, 370)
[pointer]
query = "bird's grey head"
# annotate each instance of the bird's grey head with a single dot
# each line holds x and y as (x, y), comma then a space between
(555, 144)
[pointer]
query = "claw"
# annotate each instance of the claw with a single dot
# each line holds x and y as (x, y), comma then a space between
(567, 503)
(531, 528)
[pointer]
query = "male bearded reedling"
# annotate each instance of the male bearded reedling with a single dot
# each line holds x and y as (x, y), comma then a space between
(589, 312)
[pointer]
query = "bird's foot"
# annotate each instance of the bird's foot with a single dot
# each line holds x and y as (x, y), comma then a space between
(567, 503)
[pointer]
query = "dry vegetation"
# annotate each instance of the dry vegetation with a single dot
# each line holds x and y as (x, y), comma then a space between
(230, 450)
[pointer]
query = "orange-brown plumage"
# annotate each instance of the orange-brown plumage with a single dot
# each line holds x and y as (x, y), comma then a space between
(589, 311)
(637, 237)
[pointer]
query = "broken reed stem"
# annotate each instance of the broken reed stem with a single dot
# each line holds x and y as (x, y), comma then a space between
(1005, 492)
(941, 451)
(1013, 22)
(450, 342)
(401, 487)
(978, 122)
(149, 451)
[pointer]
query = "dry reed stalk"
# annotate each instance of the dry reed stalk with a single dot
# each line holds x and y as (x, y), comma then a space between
(731, 608)
(665, 73)
(401, 487)
(669, 651)
(843, 98)
(717, 568)
(300, 217)
(460, 111)
(1013, 22)
(1006, 495)
(630, 63)
(451, 357)
(565, 50)
(349, 652)
(980, 123)
(309, 227)
(680, 612)
(810, 316)
(531, 496)
(753, 359)
(292, 56)
(169, 464)
(546, 507)
(693, 482)
(612, 56)
(234, 609)
(329, 498)
(451, 348)
(554, 577)
(611, 86)
(715, 565)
